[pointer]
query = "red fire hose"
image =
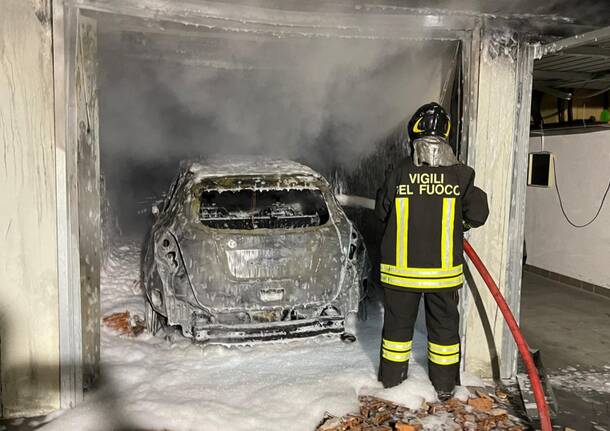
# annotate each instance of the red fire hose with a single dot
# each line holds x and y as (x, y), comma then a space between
(543, 408)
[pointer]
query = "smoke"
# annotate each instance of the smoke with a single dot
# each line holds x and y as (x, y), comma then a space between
(325, 102)
(584, 12)
(284, 101)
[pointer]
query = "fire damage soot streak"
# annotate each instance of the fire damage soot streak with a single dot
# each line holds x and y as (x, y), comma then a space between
(253, 251)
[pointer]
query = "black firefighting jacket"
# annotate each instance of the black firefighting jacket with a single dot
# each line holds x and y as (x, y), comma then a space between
(423, 208)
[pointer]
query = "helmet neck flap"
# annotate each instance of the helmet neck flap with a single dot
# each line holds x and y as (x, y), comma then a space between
(433, 151)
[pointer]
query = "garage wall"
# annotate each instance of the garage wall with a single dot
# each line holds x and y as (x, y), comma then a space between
(583, 172)
(28, 257)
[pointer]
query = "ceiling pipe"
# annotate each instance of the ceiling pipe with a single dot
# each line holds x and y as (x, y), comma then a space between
(576, 41)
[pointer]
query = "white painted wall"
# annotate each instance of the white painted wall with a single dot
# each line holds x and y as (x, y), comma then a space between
(583, 172)
(29, 351)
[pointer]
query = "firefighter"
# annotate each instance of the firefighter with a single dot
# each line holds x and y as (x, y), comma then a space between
(426, 203)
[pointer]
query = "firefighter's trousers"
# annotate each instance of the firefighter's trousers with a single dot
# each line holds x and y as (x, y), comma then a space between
(442, 322)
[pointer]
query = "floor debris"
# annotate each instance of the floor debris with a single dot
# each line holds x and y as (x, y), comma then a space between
(482, 412)
(125, 324)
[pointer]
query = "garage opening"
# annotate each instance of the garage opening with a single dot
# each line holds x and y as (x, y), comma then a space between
(152, 95)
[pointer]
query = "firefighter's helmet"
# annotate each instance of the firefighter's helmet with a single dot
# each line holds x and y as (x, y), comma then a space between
(429, 120)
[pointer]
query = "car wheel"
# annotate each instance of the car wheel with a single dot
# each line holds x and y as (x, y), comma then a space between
(348, 338)
(152, 318)
(364, 297)
(350, 328)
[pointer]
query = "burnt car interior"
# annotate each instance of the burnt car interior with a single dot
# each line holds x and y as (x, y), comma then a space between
(263, 209)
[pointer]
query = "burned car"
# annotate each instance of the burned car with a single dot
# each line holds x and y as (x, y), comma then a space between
(254, 250)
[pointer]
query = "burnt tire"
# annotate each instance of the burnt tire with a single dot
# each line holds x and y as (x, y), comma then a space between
(152, 319)
(350, 323)
(364, 298)
(348, 338)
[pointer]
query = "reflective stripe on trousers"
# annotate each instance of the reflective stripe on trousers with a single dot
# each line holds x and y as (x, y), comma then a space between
(396, 351)
(444, 354)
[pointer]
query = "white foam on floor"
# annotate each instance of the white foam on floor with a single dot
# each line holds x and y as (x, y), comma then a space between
(582, 380)
(150, 383)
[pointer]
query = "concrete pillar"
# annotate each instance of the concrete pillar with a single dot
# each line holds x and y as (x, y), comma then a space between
(498, 153)
(29, 334)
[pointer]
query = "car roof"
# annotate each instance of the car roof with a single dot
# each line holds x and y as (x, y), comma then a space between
(245, 166)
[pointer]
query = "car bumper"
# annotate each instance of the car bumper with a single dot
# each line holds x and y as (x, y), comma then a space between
(261, 332)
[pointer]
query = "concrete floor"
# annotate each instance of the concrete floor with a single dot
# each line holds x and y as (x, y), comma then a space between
(571, 327)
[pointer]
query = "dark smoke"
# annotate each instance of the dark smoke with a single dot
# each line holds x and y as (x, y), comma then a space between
(326, 103)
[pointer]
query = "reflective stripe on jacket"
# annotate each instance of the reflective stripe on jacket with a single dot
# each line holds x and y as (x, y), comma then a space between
(423, 208)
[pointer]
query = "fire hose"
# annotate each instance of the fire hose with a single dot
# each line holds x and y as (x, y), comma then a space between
(541, 404)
